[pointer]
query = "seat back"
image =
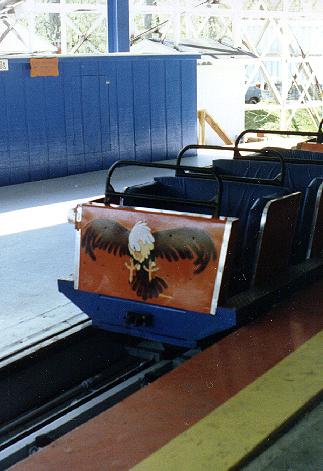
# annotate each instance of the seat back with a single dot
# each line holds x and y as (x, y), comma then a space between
(247, 168)
(301, 154)
(298, 177)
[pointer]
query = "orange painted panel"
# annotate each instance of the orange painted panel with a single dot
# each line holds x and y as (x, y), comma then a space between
(165, 259)
(311, 146)
(44, 67)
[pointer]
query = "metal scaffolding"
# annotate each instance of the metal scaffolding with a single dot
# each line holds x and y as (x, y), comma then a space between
(31, 26)
(284, 35)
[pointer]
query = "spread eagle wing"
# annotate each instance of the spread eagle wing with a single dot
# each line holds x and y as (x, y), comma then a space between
(107, 235)
(185, 244)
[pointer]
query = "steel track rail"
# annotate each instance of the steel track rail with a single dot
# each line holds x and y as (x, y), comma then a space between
(42, 427)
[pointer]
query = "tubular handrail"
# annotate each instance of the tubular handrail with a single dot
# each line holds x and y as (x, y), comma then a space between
(316, 134)
(286, 160)
(275, 155)
(214, 204)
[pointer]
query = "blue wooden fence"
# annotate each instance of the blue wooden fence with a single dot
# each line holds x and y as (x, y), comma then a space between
(98, 110)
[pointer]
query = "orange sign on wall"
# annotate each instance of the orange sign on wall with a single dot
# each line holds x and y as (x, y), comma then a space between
(165, 259)
(44, 67)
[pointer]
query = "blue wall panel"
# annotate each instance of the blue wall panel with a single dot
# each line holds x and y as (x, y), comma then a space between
(109, 112)
(15, 100)
(188, 70)
(36, 128)
(71, 76)
(141, 94)
(4, 140)
(98, 110)
(158, 129)
(173, 107)
(125, 110)
(56, 126)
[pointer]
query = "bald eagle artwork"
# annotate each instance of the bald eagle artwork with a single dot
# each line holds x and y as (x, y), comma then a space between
(144, 247)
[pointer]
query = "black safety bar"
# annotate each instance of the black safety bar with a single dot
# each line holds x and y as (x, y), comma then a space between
(267, 154)
(286, 160)
(214, 204)
(318, 134)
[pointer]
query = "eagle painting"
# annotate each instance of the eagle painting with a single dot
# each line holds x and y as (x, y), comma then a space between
(144, 247)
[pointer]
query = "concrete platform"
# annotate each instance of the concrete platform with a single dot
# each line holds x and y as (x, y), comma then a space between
(37, 247)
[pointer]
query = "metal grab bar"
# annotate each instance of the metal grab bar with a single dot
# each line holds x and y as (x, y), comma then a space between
(320, 133)
(274, 154)
(277, 132)
(286, 160)
(214, 204)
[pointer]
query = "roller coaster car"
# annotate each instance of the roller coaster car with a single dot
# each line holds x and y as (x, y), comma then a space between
(182, 258)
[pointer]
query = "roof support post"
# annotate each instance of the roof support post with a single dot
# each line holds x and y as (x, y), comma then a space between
(118, 25)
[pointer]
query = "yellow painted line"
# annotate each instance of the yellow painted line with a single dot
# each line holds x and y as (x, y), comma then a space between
(223, 438)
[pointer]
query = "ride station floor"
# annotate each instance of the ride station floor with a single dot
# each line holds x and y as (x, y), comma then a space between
(218, 410)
